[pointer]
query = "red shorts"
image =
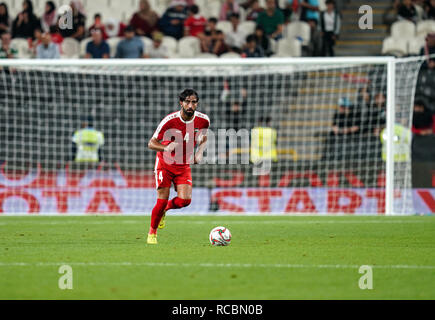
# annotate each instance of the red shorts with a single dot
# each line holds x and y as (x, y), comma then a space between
(166, 174)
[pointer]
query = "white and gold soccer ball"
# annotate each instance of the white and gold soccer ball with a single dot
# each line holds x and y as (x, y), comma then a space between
(220, 236)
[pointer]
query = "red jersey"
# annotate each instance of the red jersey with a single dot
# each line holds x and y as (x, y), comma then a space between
(185, 133)
(195, 25)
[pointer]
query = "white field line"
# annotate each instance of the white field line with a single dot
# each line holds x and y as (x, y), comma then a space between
(206, 265)
(228, 222)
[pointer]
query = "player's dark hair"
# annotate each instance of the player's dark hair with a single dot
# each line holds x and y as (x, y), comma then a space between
(194, 9)
(187, 93)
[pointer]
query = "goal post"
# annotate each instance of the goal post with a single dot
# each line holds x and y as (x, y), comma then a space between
(336, 134)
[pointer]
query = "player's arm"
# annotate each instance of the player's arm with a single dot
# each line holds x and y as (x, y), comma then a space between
(155, 145)
(200, 150)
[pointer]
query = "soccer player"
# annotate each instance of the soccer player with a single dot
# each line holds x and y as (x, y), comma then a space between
(174, 140)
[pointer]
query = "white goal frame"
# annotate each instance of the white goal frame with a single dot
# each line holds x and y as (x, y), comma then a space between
(389, 62)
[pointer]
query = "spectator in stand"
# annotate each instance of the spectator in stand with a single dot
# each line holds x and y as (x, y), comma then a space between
(407, 11)
(37, 39)
(429, 9)
(364, 98)
(145, 20)
(422, 119)
(263, 41)
(418, 5)
(235, 39)
(26, 22)
(47, 49)
(228, 8)
(211, 25)
(49, 18)
(376, 115)
(98, 24)
(214, 42)
(234, 100)
(98, 47)
(172, 21)
(428, 50)
(330, 23)
(157, 50)
(6, 52)
(56, 37)
(309, 10)
(114, 28)
(391, 14)
(346, 120)
(247, 4)
(254, 11)
(252, 50)
(206, 41)
(194, 25)
(343, 138)
(78, 31)
(271, 20)
(219, 45)
(5, 20)
(131, 47)
(293, 10)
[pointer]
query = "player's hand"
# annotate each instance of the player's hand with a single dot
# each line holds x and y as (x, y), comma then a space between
(197, 159)
(170, 147)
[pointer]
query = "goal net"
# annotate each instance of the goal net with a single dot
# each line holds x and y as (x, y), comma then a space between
(311, 136)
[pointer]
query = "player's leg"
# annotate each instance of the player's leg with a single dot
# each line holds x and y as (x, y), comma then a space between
(157, 213)
(183, 182)
(183, 198)
(163, 183)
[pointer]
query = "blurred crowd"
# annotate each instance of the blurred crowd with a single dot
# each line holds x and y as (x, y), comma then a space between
(182, 18)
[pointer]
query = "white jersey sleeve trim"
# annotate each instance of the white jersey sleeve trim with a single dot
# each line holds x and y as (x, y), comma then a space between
(163, 122)
(204, 116)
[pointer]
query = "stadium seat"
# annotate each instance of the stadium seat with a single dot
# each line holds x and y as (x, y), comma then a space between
(83, 45)
(415, 45)
(224, 26)
(298, 29)
(201, 4)
(403, 29)
(188, 47)
(394, 46)
(247, 27)
(230, 55)
(23, 48)
(424, 27)
(212, 9)
(113, 43)
(273, 44)
(170, 43)
(70, 48)
(288, 48)
(242, 14)
(148, 43)
(206, 55)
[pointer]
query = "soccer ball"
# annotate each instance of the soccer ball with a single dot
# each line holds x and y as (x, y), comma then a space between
(220, 236)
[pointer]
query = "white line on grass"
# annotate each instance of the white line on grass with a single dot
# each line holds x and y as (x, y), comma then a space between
(207, 265)
(229, 222)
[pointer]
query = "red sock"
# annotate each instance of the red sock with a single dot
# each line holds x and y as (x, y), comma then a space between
(157, 214)
(177, 203)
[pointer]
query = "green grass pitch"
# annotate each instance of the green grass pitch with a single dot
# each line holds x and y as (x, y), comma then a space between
(270, 257)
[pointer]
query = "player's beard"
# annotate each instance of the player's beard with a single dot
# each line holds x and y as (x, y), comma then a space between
(189, 112)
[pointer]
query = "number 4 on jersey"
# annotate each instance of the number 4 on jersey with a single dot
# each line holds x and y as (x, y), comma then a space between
(186, 137)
